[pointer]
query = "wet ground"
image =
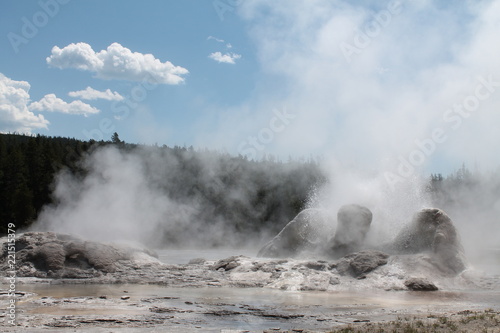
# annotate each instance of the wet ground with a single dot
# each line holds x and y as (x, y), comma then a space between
(144, 307)
(60, 305)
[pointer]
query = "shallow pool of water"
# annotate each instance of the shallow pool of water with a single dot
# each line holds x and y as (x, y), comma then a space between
(273, 297)
(321, 309)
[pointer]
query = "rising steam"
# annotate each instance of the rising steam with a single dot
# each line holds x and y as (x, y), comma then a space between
(368, 115)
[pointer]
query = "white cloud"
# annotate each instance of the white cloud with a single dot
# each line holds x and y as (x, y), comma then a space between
(53, 104)
(91, 94)
(116, 63)
(216, 39)
(14, 114)
(227, 58)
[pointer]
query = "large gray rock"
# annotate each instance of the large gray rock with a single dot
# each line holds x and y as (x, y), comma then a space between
(306, 232)
(431, 230)
(353, 223)
(48, 254)
(361, 263)
(420, 284)
(227, 264)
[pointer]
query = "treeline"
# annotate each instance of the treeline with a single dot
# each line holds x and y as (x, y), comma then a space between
(233, 198)
(249, 195)
(28, 165)
(466, 190)
(242, 196)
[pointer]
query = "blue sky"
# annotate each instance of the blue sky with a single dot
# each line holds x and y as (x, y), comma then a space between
(366, 82)
(175, 31)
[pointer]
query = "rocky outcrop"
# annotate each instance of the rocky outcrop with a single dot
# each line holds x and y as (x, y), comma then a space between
(306, 232)
(361, 263)
(420, 284)
(227, 264)
(431, 230)
(311, 229)
(353, 223)
(48, 254)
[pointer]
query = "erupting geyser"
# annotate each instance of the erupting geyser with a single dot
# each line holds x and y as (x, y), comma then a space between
(431, 231)
(306, 232)
(353, 223)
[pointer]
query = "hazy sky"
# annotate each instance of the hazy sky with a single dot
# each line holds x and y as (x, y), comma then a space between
(388, 84)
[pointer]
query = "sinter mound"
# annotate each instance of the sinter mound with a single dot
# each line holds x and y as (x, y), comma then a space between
(48, 254)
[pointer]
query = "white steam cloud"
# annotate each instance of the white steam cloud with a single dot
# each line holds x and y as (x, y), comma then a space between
(395, 90)
(368, 86)
(369, 107)
(158, 196)
(117, 200)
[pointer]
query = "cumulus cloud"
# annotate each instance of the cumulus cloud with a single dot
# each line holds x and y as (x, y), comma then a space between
(52, 103)
(227, 58)
(116, 63)
(90, 93)
(14, 113)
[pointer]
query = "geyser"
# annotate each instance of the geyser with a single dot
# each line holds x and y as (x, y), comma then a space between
(430, 231)
(353, 224)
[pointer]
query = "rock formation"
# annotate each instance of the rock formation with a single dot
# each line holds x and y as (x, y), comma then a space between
(360, 263)
(310, 231)
(420, 284)
(48, 254)
(353, 223)
(431, 230)
(306, 232)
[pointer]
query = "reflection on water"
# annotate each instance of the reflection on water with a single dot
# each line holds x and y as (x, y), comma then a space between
(278, 298)
(314, 310)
